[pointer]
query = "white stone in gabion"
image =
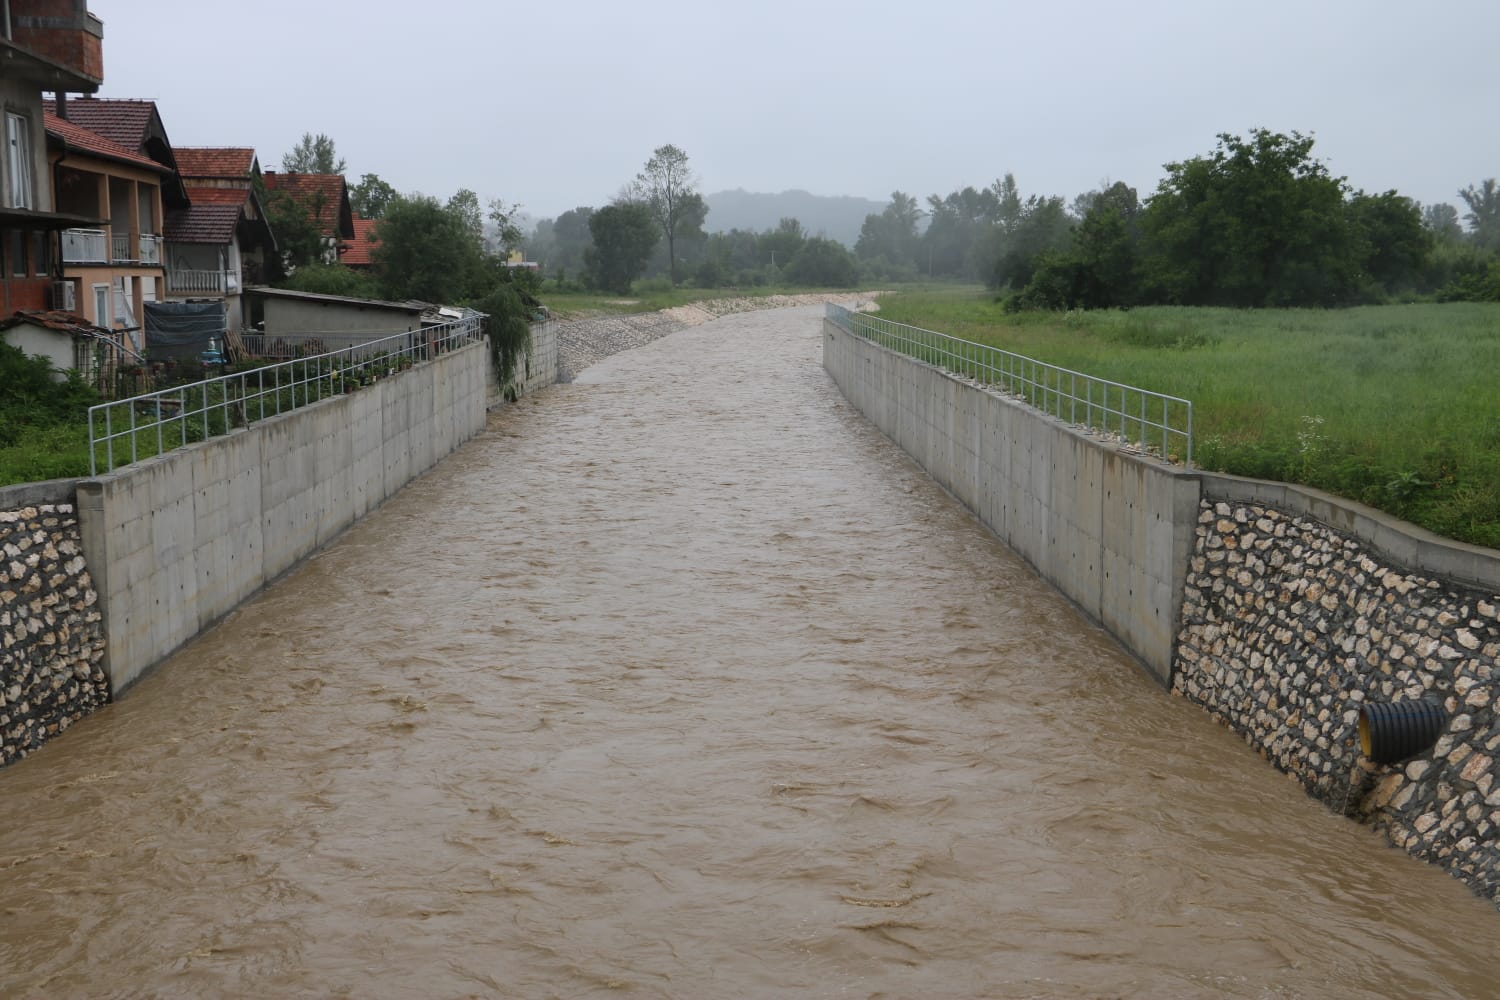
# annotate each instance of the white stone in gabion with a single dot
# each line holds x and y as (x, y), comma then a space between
(1416, 769)
(1486, 609)
(1478, 698)
(1478, 764)
(1466, 639)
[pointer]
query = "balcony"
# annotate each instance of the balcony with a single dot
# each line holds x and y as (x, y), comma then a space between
(189, 281)
(85, 246)
(147, 250)
(96, 246)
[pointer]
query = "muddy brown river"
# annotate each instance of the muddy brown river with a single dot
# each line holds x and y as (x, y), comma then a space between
(682, 681)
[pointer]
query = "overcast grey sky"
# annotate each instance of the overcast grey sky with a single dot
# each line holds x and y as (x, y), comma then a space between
(557, 103)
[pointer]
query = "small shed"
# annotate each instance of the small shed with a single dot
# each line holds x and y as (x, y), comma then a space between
(68, 341)
(311, 322)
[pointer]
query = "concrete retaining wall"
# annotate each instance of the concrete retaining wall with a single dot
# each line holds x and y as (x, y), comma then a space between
(1291, 607)
(536, 371)
(178, 541)
(1109, 529)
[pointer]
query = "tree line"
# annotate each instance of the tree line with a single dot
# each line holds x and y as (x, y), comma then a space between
(1257, 221)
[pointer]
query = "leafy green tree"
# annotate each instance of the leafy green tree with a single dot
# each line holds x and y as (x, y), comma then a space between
(778, 246)
(823, 262)
(426, 252)
(623, 237)
(957, 226)
(732, 258)
(892, 235)
(332, 279)
(1044, 227)
(464, 206)
(1483, 215)
(508, 313)
(669, 191)
(558, 244)
(1441, 220)
(313, 154)
(369, 197)
(508, 235)
(299, 239)
(1394, 244)
(1258, 222)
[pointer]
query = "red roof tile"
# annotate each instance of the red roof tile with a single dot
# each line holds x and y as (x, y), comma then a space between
(84, 140)
(218, 196)
(324, 197)
(202, 224)
(220, 163)
(125, 122)
(357, 252)
(57, 319)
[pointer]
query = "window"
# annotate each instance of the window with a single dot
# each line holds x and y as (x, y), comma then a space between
(41, 254)
(16, 250)
(18, 161)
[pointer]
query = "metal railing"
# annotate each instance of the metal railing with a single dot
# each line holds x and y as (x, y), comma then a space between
(197, 281)
(1156, 423)
(85, 246)
(147, 249)
(128, 430)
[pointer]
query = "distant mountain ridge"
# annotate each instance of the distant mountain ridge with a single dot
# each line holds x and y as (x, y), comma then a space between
(837, 217)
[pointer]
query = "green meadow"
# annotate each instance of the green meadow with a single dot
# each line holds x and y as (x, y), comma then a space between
(1395, 406)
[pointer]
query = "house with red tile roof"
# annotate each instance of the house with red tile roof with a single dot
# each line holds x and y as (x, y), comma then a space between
(112, 161)
(49, 46)
(323, 200)
(220, 241)
(359, 252)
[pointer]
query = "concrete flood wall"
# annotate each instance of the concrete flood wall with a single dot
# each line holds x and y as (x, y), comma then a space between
(537, 370)
(179, 540)
(1280, 610)
(1109, 529)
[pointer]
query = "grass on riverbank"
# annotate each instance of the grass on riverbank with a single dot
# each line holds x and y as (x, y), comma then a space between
(1395, 406)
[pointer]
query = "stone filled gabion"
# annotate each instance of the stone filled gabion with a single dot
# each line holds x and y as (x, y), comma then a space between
(51, 629)
(1288, 626)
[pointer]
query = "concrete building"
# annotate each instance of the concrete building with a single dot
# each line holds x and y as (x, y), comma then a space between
(52, 46)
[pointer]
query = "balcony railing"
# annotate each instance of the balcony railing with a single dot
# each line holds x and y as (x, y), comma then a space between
(147, 249)
(84, 246)
(190, 281)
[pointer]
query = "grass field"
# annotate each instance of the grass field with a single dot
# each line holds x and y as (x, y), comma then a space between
(1395, 406)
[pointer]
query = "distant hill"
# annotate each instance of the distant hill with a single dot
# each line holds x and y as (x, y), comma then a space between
(838, 217)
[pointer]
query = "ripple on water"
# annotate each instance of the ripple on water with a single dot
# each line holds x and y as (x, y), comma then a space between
(681, 679)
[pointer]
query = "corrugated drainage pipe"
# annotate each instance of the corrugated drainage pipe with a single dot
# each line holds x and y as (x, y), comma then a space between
(1391, 732)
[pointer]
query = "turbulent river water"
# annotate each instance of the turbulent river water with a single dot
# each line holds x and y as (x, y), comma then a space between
(682, 681)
